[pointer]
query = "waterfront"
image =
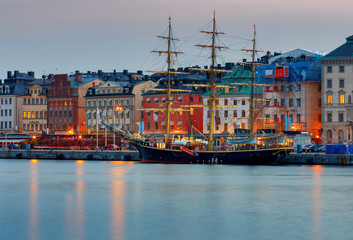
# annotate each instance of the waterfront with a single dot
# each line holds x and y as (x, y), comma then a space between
(48, 199)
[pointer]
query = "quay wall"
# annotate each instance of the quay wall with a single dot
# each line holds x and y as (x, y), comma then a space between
(317, 159)
(70, 155)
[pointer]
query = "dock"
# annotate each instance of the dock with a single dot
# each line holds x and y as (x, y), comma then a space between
(124, 155)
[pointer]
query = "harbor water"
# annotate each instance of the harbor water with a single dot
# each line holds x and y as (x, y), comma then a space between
(48, 199)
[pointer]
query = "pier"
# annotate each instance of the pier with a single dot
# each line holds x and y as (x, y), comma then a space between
(317, 159)
(71, 155)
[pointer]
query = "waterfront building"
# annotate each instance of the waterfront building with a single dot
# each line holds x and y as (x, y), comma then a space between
(122, 98)
(233, 100)
(66, 103)
(181, 122)
(34, 112)
(294, 88)
(337, 89)
(11, 93)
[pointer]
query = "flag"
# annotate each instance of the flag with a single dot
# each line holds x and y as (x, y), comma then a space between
(155, 116)
(98, 115)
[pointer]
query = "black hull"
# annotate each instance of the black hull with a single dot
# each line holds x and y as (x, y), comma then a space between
(259, 157)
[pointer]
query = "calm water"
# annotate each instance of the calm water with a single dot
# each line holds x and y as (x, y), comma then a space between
(115, 200)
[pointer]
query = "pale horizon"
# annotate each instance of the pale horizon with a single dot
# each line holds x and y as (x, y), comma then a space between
(63, 36)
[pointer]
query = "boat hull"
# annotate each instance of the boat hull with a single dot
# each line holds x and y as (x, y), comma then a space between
(150, 154)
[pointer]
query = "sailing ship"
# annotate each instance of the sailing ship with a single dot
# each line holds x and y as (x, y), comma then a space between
(249, 150)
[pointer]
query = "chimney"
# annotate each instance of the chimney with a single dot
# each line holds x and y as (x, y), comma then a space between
(268, 54)
(17, 73)
(125, 72)
(77, 72)
(78, 77)
(139, 72)
(9, 73)
(31, 74)
(244, 60)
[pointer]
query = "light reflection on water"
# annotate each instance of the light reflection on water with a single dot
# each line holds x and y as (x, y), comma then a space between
(124, 200)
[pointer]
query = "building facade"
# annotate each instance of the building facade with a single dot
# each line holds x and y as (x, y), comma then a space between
(185, 120)
(11, 93)
(337, 90)
(66, 103)
(294, 88)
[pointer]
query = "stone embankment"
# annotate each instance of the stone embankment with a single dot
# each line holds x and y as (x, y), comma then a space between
(70, 155)
(317, 159)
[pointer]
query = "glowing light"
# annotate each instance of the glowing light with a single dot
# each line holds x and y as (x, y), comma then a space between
(80, 162)
(34, 160)
(34, 137)
(80, 137)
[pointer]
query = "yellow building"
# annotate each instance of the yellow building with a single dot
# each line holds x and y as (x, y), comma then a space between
(34, 111)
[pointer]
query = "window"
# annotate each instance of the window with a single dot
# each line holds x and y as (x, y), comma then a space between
(41, 101)
(329, 69)
(298, 102)
(37, 101)
(67, 92)
(226, 127)
(40, 115)
(200, 99)
(329, 99)
(341, 83)
(283, 102)
(24, 101)
(148, 114)
(28, 114)
(329, 117)
(88, 103)
(329, 83)
(340, 117)
(148, 125)
(299, 87)
(291, 102)
(32, 101)
(235, 113)
(283, 88)
(242, 113)
(283, 118)
(5, 112)
(70, 103)
(156, 100)
(156, 125)
(191, 99)
(319, 88)
(243, 102)
(235, 102)
(10, 112)
(226, 102)
(319, 102)
(298, 117)
(225, 113)
(341, 96)
(341, 69)
(24, 114)
(319, 118)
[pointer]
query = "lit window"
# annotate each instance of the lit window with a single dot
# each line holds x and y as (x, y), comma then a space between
(329, 99)
(341, 98)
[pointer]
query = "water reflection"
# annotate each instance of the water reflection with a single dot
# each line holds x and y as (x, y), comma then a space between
(117, 200)
(317, 205)
(34, 222)
(75, 215)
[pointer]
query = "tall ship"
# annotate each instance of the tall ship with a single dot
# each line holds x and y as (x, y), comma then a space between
(251, 149)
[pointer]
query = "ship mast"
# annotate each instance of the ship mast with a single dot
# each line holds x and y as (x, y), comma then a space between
(168, 91)
(212, 85)
(252, 93)
(212, 90)
(169, 101)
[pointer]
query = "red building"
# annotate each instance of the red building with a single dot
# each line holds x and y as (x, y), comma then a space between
(66, 103)
(181, 122)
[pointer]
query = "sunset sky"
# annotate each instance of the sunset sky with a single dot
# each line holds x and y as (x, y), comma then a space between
(61, 36)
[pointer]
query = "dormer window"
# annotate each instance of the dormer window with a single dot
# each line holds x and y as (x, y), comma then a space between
(7, 89)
